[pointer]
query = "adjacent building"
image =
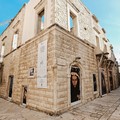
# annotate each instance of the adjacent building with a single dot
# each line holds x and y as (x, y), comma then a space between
(54, 56)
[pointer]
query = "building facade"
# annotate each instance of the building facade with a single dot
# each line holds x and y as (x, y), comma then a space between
(55, 56)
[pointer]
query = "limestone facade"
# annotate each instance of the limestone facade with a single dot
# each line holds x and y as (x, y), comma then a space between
(85, 49)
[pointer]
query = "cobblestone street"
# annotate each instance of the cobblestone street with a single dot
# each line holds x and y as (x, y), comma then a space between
(105, 108)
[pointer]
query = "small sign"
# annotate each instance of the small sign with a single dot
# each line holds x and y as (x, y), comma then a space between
(31, 72)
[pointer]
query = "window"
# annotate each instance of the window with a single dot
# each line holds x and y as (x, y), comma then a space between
(97, 42)
(15, 40)
(73, 23)
(2, 53)
(41, 21)
(94, 82)
(105, 48)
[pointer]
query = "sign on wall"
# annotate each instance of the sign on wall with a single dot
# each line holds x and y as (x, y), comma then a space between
(31, 72)
(42, 65)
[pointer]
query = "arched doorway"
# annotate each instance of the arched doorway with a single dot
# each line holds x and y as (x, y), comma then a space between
(75, 83)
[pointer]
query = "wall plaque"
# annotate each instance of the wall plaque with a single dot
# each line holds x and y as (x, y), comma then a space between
(42, 65)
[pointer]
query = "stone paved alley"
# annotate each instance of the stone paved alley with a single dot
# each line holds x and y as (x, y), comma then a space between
(105, 108)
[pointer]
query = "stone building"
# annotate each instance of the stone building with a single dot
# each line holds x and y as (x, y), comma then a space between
(55, 56)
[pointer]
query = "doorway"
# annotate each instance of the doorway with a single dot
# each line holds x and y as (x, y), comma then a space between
(111, 80)
(103, 83)
(75, 84)
(11, 77)
(24, 95)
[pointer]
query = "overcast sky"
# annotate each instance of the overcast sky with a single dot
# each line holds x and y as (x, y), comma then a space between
(107, 11)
